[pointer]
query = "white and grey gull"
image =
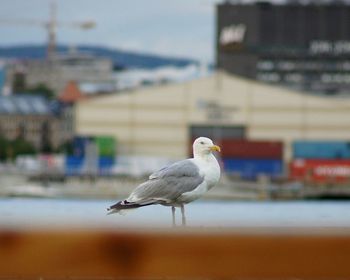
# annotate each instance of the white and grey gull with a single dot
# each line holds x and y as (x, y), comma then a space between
(178, 184)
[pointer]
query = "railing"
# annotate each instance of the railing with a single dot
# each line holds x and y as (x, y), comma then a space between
(186, 254)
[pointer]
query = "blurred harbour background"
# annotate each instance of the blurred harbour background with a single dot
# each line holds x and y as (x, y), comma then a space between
(97, 95)
(84, 118)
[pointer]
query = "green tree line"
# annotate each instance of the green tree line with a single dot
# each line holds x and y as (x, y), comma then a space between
(10, 149)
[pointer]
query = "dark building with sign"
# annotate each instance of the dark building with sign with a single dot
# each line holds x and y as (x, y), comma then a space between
(304, 46)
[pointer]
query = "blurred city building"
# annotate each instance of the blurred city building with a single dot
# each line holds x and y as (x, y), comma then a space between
(57, 72)
(163, 120)
(301, 44)
(71, 93)
(30, 118)
(67, 99)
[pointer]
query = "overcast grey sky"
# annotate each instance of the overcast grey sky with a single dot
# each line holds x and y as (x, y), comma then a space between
(183, 28)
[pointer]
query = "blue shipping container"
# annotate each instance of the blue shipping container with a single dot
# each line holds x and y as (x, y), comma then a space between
(321, 150)
(73, 165)
(79, 145)
(252, 168)
(2, 79)
(105, 165)
(105, 162)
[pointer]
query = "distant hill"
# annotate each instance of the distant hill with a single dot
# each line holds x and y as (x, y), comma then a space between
(120, 58)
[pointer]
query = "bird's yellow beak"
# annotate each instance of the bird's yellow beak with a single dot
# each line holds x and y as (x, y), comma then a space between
(215, 148)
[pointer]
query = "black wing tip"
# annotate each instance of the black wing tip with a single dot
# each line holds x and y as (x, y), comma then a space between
(123, 204)
(115, 206)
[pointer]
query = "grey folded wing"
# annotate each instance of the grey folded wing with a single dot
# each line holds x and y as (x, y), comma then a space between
(169, 183)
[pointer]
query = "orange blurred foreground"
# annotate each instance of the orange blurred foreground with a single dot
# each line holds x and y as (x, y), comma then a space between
(191, 253)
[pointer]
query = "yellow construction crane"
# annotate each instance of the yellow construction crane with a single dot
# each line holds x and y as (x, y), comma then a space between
(51, 26)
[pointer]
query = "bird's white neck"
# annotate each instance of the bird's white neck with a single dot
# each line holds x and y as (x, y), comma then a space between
(204, 156)
(209, 168)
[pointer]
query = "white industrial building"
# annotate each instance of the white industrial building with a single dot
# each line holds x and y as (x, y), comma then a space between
(161, 120)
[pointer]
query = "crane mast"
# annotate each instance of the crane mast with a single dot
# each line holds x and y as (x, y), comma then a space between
(51, 29)
(51, 26)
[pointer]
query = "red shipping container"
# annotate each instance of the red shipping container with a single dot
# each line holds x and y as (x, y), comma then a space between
(247, 149)
(320, 171)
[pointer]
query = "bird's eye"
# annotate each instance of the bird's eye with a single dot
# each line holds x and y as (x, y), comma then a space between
(202, 142)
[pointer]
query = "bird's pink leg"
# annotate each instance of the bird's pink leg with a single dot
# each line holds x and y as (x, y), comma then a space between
(183, 215)
(173, 213)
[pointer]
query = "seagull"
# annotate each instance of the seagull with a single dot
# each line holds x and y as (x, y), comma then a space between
(178, 184)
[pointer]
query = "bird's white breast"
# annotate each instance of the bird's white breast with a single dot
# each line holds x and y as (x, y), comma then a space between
(209, 168)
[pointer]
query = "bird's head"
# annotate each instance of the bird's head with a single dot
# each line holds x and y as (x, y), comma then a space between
(203, 146)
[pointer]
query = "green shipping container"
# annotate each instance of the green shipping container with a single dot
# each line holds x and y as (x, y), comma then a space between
(106, 146)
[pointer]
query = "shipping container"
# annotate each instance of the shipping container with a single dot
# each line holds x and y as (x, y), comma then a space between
(106, 146)
(253, 168)
(73, 165)
(105, 165)
(248, 149)
(79, 145)
(2, 78)
(82, 165)
(105, 162)
(320, 170)
(321, 150)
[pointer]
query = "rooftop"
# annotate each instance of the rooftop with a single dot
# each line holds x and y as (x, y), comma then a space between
(24, 104)
(71, 93)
